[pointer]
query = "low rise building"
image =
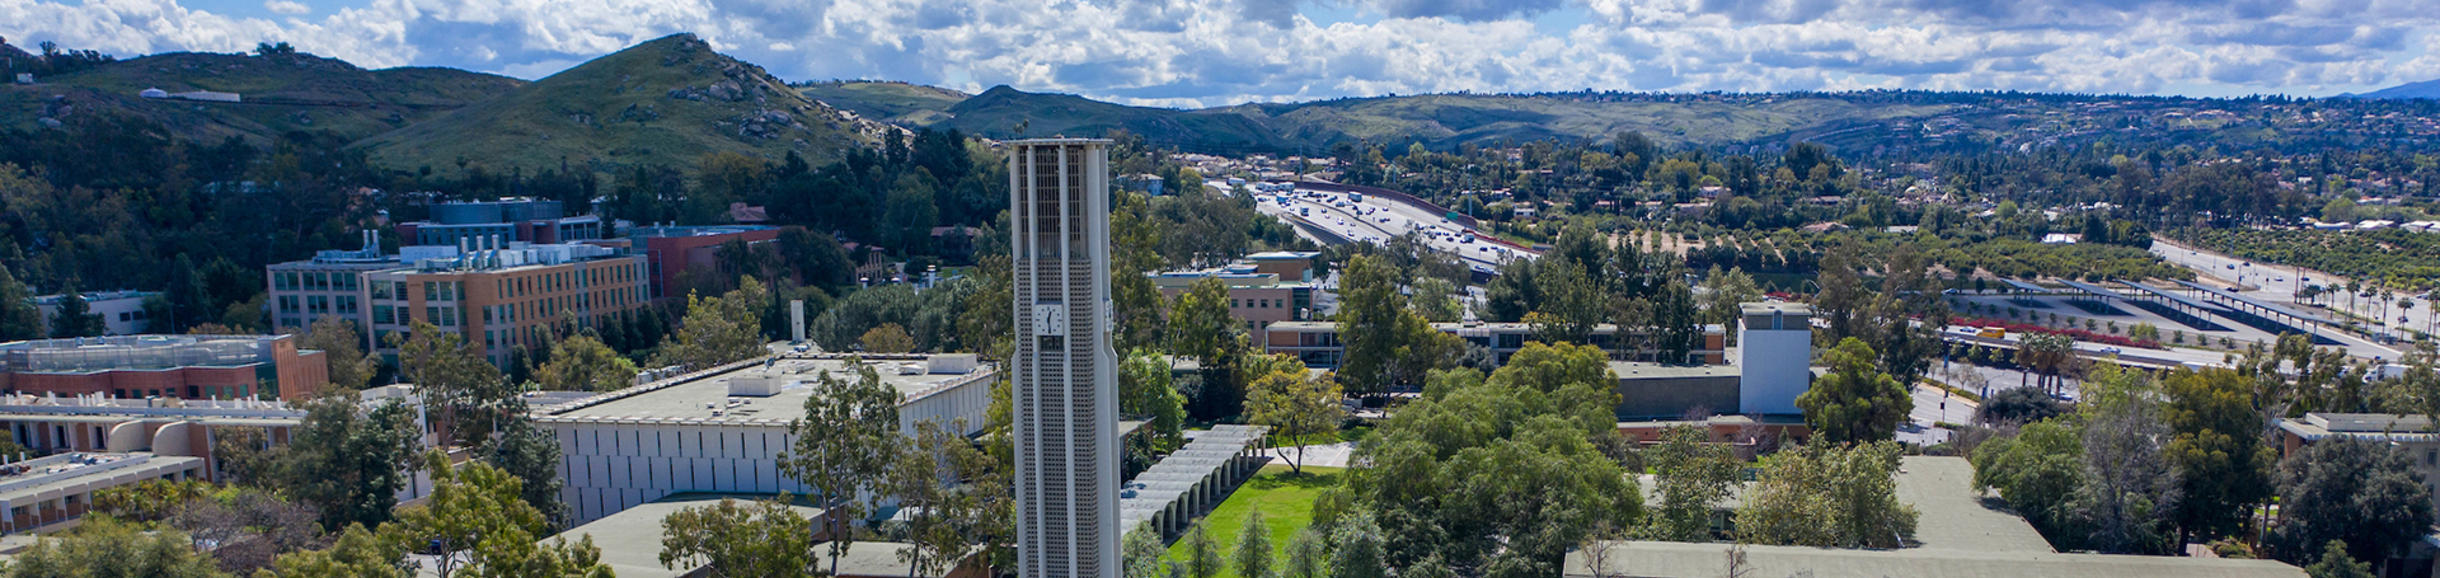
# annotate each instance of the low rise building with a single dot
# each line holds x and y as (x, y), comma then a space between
(122, 311)
(171, 366)
(2412, 434)
(84, 444)
(1317, 342)
(674, 250)
(722, 429)
(537, 221)
(1959, 532)
(1256, 297)
(57, 489)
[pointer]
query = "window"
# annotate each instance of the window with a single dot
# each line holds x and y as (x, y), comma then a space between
(381, 290)
(381, 314)
(347, 304)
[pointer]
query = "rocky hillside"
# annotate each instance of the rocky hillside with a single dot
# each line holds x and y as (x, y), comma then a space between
(669, 101)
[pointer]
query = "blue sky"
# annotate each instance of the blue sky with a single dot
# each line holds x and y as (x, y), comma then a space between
(1190, 53)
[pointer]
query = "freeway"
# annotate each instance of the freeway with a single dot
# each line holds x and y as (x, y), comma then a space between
(1377, 220)
(2170, 358)
(2279, 284)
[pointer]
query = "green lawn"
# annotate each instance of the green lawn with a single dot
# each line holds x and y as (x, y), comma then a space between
(1286, 502)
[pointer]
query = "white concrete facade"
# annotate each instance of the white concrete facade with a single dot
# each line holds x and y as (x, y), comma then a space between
(1775, 351)
(1062, 372)
(622, 449)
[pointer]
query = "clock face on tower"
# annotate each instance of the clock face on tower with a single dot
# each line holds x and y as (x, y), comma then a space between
(1050, 319)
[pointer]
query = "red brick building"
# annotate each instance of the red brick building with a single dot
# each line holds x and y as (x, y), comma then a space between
(672, 250)
(179, 366)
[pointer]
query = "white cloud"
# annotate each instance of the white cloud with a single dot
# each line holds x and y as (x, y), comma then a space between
(1186, 53)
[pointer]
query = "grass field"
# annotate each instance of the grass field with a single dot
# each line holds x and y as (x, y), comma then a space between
(1286, 503)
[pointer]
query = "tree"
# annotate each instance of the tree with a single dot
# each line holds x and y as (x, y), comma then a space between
(1146, 390)
(1369, 309)
(1436, 299)
(2336, 563)
(888, 338)
(1308, 555)
(451, 375)
(1203, 558)
(733, 539)
(1827, 495)
(720, 330)
(1691, 476)
(532, 455)
(1356, 549)
(19, 319)
(75, 318)
(1855, 402)
(845, 446)
(2018, 405)
(2223, 467)
(350, 368)
(1200, 325)
(1140, 555)
(476, 521)
(1297, 406)
(583, 363)
(246, 528)
(1571, 305)
(358, 553)
(349, 463)
(2363, 493)
(1253, 554)
(104, 548)
(946, 519)
(1725, 294)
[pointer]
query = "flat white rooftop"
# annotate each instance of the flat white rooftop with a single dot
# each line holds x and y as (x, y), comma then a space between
(708, 398)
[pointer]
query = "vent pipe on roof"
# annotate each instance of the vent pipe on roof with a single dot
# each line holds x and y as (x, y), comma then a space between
(462, 250)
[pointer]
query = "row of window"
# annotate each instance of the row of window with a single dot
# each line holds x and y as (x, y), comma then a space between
(313, 281)
(317, 305)
(1257, 303)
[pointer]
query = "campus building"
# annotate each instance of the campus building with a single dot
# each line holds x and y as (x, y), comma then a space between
(331, 284)
(122, 311)
(1959, 532)
(536, 221)
(1062, 370)
(722, 429)
(169, 366)
(1263, 289)
(1317, 342)
(502, 296)
(674, 250)
(87, 443)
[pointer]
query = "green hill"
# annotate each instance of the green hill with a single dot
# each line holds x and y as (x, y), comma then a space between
(1004, 112)
(667, 101)
(899, 103)
(1438, 120)
(281, 94)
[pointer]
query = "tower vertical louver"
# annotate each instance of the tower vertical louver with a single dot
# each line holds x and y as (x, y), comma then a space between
(1063, 369)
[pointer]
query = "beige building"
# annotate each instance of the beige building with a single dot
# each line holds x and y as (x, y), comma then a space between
(504, 298)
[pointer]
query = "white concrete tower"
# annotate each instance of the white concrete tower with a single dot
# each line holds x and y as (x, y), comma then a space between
(1064, 372)
(1775, 357)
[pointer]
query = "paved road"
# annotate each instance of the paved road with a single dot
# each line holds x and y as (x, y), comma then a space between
(1377, 220)
(2280, 284)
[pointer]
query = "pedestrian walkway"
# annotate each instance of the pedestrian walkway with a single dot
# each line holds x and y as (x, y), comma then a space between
(1191, 480)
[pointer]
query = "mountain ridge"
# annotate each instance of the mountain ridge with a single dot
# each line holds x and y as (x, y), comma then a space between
(666, 101)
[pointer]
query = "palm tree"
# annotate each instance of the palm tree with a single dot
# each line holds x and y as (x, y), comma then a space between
(2406, 310)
